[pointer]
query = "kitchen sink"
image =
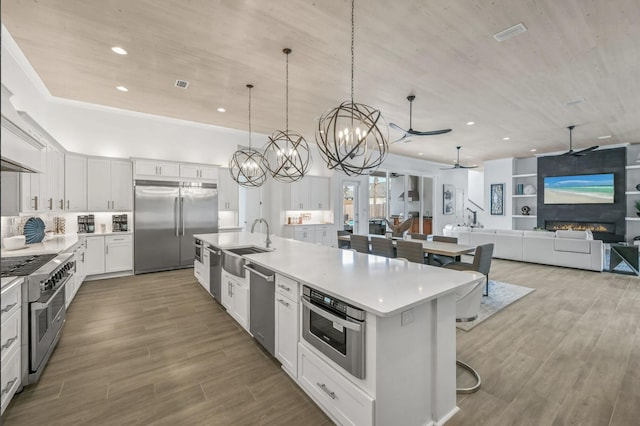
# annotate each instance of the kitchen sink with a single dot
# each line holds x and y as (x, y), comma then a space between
(233, 262)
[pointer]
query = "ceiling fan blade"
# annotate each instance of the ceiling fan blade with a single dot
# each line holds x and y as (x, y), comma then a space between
(402, 139)
(396, 127)
(467, 167)
(430, 133)
(584, 151)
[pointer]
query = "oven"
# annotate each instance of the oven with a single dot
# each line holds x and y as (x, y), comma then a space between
(43, 306)
(336, 329)
(199, 248)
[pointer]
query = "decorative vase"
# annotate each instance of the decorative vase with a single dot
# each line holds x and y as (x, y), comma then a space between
(529, 190)
(638, 187)
(526, 210)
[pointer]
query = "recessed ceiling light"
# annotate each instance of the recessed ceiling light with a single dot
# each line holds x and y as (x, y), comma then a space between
(119, 50)
(470, 123)
(222, 109)
(506, 138)
(533, 150)
(604, 137)
(122, 89)
(420, 153)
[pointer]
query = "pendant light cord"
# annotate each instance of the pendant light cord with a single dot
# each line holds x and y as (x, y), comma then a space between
(286, 127)
(352, 38)
(249, 86)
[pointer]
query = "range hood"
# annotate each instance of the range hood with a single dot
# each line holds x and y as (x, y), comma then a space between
(20, 152)
(413, 194)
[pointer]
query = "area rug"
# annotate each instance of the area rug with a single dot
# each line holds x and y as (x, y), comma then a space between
(500, 296)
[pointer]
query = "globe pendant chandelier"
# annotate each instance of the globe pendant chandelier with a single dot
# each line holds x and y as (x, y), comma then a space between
(353, 137)
(247, 164)
(287, 152)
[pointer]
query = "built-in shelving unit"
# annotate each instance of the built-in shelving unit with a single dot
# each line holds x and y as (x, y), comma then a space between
(631, 192)
(524, 173)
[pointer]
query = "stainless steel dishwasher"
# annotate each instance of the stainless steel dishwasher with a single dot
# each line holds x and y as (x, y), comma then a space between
(215, 272)
(262, 305)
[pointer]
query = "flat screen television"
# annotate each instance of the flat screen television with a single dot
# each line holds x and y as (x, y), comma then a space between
(579, 189)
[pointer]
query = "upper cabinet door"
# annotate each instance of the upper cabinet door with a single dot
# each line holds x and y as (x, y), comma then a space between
(228, 191)
(319, 191)
(300, 196)
(169, 169)
(209, 172)
(147, 167)
(121, 185)
(189, 171)
(75, 183)
(98, 184)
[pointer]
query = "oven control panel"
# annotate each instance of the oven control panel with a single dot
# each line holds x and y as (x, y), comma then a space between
(331, 303)
(59, 275)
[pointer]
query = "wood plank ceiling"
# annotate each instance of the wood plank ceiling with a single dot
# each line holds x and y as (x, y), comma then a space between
(441, 51)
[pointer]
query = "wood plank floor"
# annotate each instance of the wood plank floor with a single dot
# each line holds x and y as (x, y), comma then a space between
(155, 349)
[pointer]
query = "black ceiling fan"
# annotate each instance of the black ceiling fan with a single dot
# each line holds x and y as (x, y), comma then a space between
(411, 132)
(457, 164)
(577, 153)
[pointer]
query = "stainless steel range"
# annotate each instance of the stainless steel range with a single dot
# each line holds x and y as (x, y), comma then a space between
(43, 306)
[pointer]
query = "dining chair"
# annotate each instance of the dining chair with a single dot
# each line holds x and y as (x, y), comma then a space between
(343, 244)
(381, 246)
(410, 250)
(360, 243)
(440, 259)
(418, 236)
(481, 263)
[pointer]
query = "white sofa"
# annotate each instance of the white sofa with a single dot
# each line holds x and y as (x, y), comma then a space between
(572, 249)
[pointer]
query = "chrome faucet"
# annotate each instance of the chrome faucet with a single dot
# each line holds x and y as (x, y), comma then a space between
(255, 222)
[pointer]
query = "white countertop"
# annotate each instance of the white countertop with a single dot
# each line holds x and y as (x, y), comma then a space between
(97, 234)
(228, 227)
(309, 224)
(8, 280)
(57, 244)
(379, 285)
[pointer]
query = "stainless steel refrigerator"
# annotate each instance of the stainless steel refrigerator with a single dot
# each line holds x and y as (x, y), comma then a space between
(166, 215)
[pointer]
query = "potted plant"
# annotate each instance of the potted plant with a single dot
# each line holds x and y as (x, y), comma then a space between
(637, 204)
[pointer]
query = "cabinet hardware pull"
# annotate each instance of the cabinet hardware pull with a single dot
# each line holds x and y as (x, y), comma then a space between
(9, 342)
(9, 384)
(326, 390)
(284, 287)
(67, 204)
(35, 201)
(61, 204)
(160, 169)
(283, 302)
(8, 307)
(156, 170)
(107, 247)
(107, 204)
(50, 203)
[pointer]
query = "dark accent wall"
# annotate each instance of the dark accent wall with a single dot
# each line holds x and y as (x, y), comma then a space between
(603, 161)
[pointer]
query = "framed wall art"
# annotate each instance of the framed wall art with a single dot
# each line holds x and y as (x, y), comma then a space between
(448, 201)
(497, 199)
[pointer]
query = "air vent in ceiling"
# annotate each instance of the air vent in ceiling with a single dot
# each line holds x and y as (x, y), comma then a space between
(510, 32)
(182, 84)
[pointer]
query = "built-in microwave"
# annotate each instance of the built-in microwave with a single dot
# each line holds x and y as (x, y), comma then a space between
(336, 329)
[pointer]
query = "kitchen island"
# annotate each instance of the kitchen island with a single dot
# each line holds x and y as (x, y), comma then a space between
(409, 327)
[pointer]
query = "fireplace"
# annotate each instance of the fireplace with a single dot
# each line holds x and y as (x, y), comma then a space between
(605, 231)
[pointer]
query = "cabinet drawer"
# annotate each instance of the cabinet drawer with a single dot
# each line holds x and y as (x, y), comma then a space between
(110, 239)
(343, 400)
(10, 299)
(10, 334)
(287, 287)
(10, 377)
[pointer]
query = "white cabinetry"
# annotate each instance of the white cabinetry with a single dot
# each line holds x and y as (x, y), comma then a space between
(287, 323)
(311, 193)
(155, 168)
(73, 285)
(95, 255)
(118, 253)
(305, 233)
(346, 403)
(109, 253)
(55, 179)
(110, 185)
(33, 188)
(319, 190)
(75, 182)
(235, 297)
(322, 234)
(525, 177)
(10, 333)
(198, 171)
(228, 191)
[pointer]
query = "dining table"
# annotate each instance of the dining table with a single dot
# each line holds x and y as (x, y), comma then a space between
(454, 250)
